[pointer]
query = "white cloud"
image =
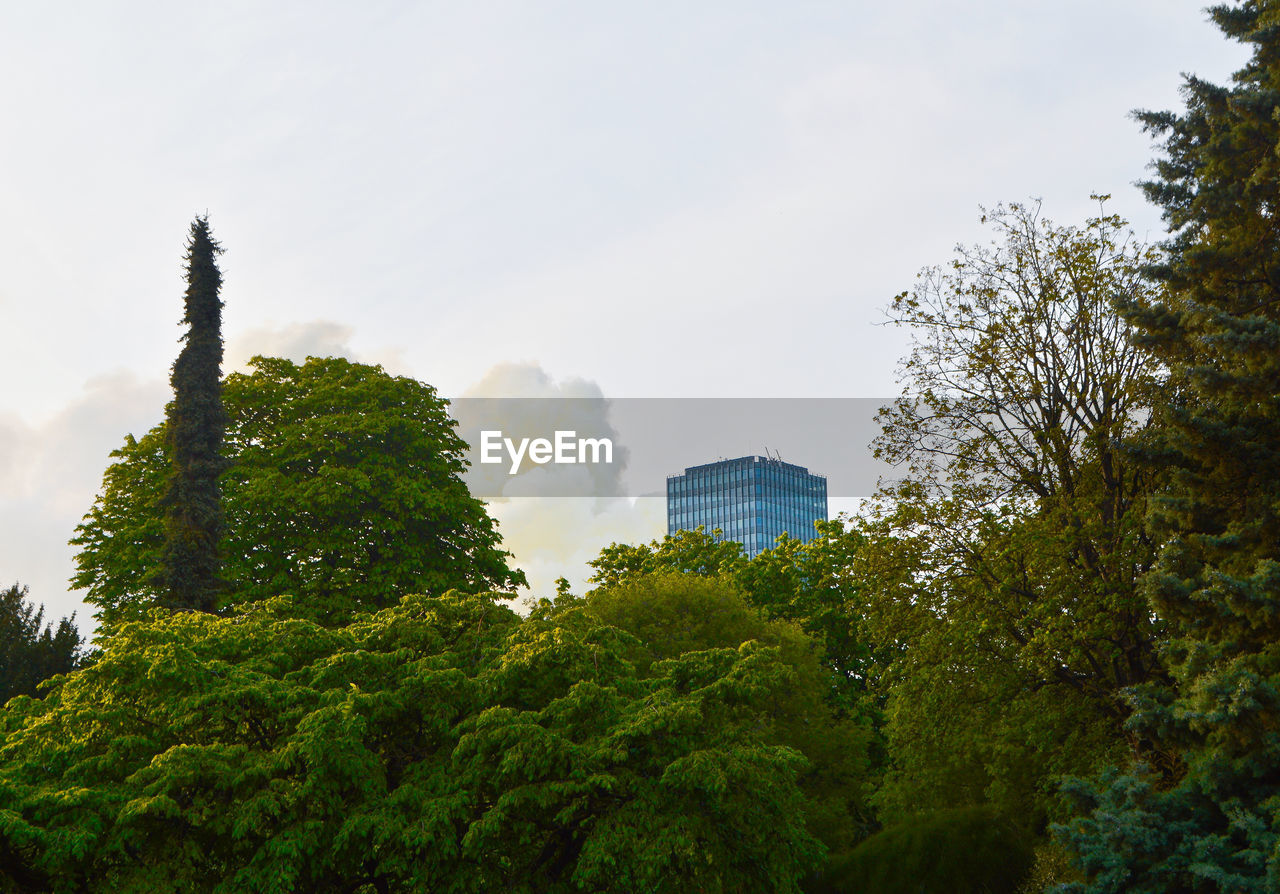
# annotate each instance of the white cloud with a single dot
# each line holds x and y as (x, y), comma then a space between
(552, 537)
(529, 380)
(293, 341)
(298, 341)
(522, 400)
(49, 475)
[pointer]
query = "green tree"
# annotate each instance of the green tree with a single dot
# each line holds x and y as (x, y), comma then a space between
(672, 612)
(1212, 822)
(344, 489)
(1003, 565)
(439, 744)
(31, 651)
(820, 586)
(814, 584)
(693, 552)
(189, 572)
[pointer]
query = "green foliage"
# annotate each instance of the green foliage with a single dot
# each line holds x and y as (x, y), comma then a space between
(188, 573)
(1209, 821)
(345, 490)
(1137, 834)
(695, 552)
(812, 584)
(963, 851)
(439, 744)
(671, 613)
(692, 590)
(31, 651)
(1002, 568)
(820, 585)
(1052, 866)
(968, 719)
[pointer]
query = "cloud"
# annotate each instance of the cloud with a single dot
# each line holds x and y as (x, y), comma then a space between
(294, 341)
(298, 341)
(522, 400)
(555, 536)
(49, 475)
(529, 380)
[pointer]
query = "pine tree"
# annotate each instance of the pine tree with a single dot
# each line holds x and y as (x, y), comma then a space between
(32, 651)
(1212, 823)
(190, 563)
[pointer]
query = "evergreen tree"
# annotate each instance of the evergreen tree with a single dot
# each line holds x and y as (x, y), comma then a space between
(1212, 822)
(190, 563)
(32, 651)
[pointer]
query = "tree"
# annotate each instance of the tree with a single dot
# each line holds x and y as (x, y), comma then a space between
(692, 552)
(674, 612)
(440, 744)
(691, 590)
(1003, 565)
(344, 489)
(190, 563)
(31, 651)
(1209, 823)
(814, 584)
(820, 585)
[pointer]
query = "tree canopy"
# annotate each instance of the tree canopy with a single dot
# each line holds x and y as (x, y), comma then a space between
(1001, 568)
(1075, 577)
(344, 489)
(692, 552)
(813, 584)
(439, 744)
(672, 612)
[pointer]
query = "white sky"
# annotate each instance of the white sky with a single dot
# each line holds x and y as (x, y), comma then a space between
(666, 199)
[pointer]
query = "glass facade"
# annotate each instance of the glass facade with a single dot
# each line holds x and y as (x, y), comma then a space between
(752, 499)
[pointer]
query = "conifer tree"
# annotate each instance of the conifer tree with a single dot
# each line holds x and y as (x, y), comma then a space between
(190, 563)
(1212, 823)
(32, 651)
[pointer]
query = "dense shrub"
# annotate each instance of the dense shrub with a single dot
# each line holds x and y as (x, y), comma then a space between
(966, 850)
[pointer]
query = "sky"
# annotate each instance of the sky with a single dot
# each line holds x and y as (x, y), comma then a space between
(649, 199)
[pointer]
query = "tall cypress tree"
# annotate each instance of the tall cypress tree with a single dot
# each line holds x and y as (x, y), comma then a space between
(190, 564)
(1213, 824)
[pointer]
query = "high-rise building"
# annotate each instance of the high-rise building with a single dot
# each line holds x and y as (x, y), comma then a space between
(752, 499)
